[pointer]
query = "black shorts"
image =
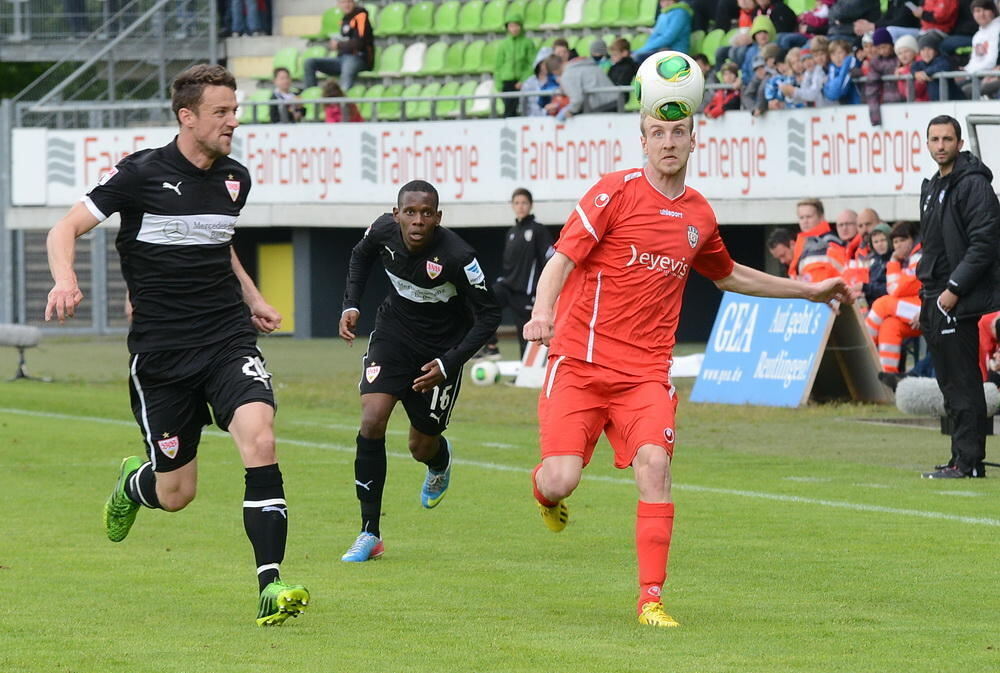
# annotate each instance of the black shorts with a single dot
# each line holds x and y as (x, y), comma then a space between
(172, 391)
(391, 366)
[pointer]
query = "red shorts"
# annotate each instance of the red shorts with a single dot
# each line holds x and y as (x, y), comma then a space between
(579, 400)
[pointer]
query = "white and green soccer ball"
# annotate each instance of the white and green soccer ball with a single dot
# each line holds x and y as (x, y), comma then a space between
(669, 86)
(485, 373)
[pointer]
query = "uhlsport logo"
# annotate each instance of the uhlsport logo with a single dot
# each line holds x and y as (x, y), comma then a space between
(601, 200)
(668, 435)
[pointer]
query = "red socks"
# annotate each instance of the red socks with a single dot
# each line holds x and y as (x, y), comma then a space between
(654, 523)
(538, 494)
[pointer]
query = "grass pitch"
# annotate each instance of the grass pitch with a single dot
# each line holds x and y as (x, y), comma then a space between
(804, 541)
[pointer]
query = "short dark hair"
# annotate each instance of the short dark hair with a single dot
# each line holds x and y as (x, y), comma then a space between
(780, 237)
(189, 86)
(560, 42)
(521, 191)
(984, 4)
(946, 119)
(903, 229)
(421, 186)
(621, 44)
(281, 69)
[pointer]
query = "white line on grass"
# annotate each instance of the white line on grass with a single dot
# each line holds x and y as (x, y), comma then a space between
(499, 467)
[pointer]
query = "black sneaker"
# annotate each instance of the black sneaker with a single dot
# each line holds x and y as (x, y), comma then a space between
(946, 473)
(488, 352)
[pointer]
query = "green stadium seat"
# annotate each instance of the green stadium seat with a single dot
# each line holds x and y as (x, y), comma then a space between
(554, 12)
(390, 110)
(446, 108)
(697, 36)
(728, 37)
(470, 16)
(647, 13)
(534, 14)
(392, 60)
(373, 11)
(489, 60)
(473, 57)
(392, 20)
(374, 91)
(610, 11)
(315, 51)
(638, 40)
(515, 8)
(413, 58)
(411, 109)
(466, 89)
(247, 111)
(454, 59)
(288, 57)
(312, 113)
(628, 13)
(434, 59)
(581, 43)
(420, 18)
(329, 24)
(632, 104)
(492, 20)
(712, 41)
(446, 17)
(356, 91)
(592, 10)
(799, 6)
(422, 109)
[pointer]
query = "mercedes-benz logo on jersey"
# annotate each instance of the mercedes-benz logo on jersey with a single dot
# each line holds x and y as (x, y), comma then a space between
(176, 230)
(601, 200)
(692, 236)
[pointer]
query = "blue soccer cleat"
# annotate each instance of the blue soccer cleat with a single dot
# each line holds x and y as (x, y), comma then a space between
(366, 548)
(436, 484)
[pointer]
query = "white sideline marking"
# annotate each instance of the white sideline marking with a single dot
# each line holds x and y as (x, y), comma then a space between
(857, 507)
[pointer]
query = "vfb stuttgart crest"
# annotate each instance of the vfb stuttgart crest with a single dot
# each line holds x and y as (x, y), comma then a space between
(433, 269)
(371, 373)
(693, 236)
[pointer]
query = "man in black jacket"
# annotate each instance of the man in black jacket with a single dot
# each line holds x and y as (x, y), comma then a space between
(960, 273)
(355, 47)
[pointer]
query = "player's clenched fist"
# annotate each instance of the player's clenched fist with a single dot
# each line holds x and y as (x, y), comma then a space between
(538, 329)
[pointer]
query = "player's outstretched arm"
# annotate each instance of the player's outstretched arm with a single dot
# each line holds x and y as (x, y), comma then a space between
(746, 280)
(265, 318)
(550, 284)
(65, 294)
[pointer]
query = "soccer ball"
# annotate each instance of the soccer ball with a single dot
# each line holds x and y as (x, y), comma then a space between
(485, 373)
(669, 86)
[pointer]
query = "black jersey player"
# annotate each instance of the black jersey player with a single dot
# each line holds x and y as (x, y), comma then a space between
(194, 313)
(437, 315)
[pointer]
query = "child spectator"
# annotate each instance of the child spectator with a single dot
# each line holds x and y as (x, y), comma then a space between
(623, 66)
(285, 114)
(599, 52)
(542, 80)
(761, 33)
(334, 112)
(752, 95)
(703, 63)
(883, 62)
(725, 99)
(560, 47)
(894, 317)
(578, 77)
(931, 62)
(672, 30)
(877, 259)
(839, 87)
(772, 87)
(985, 57)
(514, 62)
(810, 84)
(906, 51)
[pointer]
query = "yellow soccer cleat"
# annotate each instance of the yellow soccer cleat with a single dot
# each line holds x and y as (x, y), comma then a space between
(653, 615)
(279, 601)
(556, 517)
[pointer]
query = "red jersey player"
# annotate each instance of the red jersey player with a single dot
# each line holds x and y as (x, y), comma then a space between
(619, 272)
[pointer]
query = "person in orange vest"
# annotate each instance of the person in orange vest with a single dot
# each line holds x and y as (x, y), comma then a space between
(825, 256)
(860, 245)
(895, 317)
(811, 224)
(989, 347)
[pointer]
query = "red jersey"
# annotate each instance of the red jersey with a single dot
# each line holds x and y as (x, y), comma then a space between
(633, 248)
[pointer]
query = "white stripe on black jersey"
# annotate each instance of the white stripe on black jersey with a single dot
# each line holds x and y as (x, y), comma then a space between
(440, 302)
(177, 222)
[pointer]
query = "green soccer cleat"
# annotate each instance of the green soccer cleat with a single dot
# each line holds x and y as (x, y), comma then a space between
(279, 601)
(119, 509)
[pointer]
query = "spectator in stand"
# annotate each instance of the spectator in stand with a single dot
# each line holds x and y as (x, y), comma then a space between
(845, 13)
(725, 99)
(735, 14)
(781, 244)
(514, 62)
(876, 260)
(931, 62)
(355, 47)
(761, 33)
(839, 87)
(776, 100)
(809, 89)
(599, 52)
(672, 30)
(896, 317)
(579, 76)
(883, 62)
(898, 19)
(961, 34)
(786, 24)
(542, 80)
(334, 112)
(560, 47)
(285, 114)
(752, 94)
(244, 17)
(906, 49)
(985, 57)
(816, 20)
(860, 246)
(939, 15)
(824, 255)
(704, 64)
(623, 66)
